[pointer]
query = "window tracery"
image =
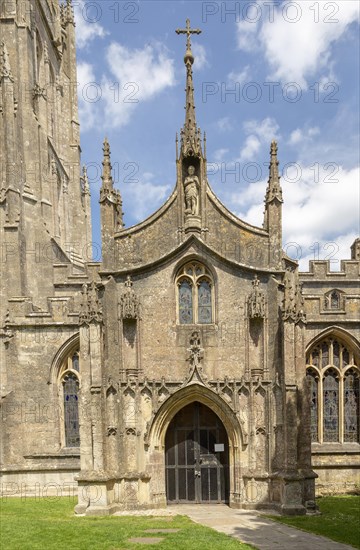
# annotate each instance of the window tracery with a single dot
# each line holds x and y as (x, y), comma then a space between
(333, 377)
(195, 294)
(69, 384)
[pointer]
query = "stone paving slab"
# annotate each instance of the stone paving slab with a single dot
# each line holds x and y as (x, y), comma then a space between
(146, 540)
(161, 530)
(253, 528)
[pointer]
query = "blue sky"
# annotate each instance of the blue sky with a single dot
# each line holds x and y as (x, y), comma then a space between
(263, 70)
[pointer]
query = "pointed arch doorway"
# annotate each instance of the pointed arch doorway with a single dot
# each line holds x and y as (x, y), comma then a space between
(197, 457)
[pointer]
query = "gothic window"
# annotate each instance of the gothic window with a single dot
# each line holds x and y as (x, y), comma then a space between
(71, 410)
(351, 406)
(195, 294)
(333, 300)
(331, 406)
(69, 384)
(312, 380)
(333, 378)
(185, 302)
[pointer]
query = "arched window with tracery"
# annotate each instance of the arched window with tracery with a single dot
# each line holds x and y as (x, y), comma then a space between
(195, 294)
(352, 406)
(333, 377)
(312, 380)
(333, 300)
(69, 384)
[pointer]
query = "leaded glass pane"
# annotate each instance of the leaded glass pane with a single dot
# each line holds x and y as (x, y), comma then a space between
(75, 362)
(315, 357)
(313, 389)
(71, 410)
(335, 300)
(204, 302)
(331, 407)
(185, 303)
(336, 354)
(345, 357)
(351, 407)
(325, 354)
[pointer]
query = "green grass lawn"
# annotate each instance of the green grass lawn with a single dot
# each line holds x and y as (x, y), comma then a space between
(339, 519)
(50, 524)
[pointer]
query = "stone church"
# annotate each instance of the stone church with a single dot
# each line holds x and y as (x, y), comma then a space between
(194, 363)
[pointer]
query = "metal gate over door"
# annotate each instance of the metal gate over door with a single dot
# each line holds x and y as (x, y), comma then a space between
(197, 457)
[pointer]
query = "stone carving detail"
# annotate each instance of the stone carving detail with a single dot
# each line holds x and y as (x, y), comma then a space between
(195, 349)
(6, 333)
(191, 188)
(129, 302)
(85, 185)
(5, 69)
(256, 301)
(293, 307)
(90, 305)
(38, 91)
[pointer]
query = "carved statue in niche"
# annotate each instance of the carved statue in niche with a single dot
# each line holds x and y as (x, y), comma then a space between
(191, 188)
(129, 303)
(256, 301)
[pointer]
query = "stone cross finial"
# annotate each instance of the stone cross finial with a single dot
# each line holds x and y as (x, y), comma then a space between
(188, 31)
(190, 134)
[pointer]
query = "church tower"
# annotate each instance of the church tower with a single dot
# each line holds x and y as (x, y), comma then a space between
(44, 203)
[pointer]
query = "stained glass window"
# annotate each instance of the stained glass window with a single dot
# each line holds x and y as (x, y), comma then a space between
(351, 407)
(71, 410)
(313, 389)
(336, 354)
(185, 302)
(331, 406)
(315, 357)
(334, 300)
(345, 357)
(340, 387)
(204, 302)
(75, 362)
(195, 294)
(325, 354)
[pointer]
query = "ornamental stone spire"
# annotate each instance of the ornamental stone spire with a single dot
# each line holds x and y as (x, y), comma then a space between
(273, 209)
(106, 175)
(112, 219)
(190, 133)
(69, 13)
(274, 190)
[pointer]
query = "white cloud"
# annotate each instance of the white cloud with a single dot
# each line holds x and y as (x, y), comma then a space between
(144, 196)
(200, 56)
(250, 149)
(87, 15)
(140, 75)
(224, 124)
(219, 154)
(241, 77)
(298, 50)
(300, 136)
(261, 132)
(266, 130)
(86, 90)
(320, 213)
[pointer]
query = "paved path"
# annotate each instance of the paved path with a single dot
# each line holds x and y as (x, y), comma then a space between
(253, 528)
